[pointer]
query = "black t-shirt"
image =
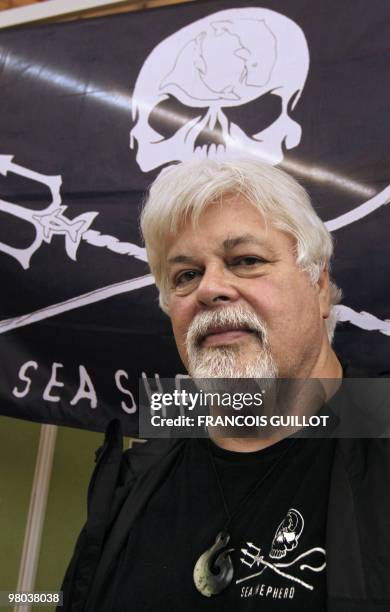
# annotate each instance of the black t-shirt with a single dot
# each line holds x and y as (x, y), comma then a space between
(278, 535)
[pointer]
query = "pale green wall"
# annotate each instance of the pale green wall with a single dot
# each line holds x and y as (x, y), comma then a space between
(66, 509)
(74, 460)
(18, 448)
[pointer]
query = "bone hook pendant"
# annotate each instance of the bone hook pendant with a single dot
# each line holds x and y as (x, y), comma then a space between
(213, 574)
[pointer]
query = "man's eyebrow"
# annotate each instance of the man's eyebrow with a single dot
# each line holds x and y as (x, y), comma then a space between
(230, 243)
(181, 259)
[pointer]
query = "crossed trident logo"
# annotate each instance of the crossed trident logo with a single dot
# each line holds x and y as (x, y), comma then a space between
(51, 221)
(251, 556)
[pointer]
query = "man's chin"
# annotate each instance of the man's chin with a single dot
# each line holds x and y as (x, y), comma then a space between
(226, 363)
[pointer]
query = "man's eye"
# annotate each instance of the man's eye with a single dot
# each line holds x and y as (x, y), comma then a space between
(248, 261)
(185, 277)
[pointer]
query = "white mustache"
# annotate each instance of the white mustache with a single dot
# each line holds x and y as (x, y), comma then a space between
(235, 317)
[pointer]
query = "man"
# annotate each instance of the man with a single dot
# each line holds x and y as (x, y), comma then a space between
(241, 261)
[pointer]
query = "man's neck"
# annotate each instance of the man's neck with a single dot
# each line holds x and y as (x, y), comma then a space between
(327, 365)
(246, 445)
(327, 369)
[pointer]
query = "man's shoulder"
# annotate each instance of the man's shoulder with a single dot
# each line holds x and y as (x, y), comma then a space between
(362, 404)
(144, 454)
(351, 370)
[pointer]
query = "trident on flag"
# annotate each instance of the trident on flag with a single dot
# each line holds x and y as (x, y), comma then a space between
(51, 221)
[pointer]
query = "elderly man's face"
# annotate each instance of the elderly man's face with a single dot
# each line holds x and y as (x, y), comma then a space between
(236, 288)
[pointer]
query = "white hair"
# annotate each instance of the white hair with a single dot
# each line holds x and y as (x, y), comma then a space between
(182, 191)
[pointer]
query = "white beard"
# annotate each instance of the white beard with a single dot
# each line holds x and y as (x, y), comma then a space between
(229, 361)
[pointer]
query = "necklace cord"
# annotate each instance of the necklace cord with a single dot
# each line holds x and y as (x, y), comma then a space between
(248, 495)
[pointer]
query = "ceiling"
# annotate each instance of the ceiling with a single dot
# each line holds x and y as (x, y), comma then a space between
(131, 5)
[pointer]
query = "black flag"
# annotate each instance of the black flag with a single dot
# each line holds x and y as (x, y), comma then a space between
(91, 111)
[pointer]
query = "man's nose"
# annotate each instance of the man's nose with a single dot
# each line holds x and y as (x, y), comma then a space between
(216, 287)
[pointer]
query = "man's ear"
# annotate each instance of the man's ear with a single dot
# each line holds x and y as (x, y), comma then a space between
(323, 284)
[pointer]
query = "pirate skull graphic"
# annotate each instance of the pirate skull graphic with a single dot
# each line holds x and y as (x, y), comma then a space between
(287, 534)
(223, 86)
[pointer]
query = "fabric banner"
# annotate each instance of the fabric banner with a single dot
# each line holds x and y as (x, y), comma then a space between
(91, 111)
